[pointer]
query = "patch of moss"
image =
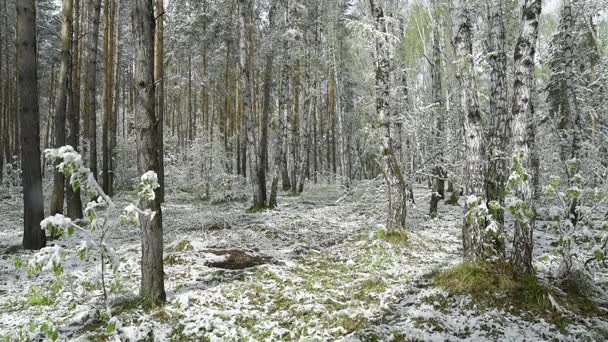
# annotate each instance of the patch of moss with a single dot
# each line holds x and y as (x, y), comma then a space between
(184, 245)
(428, 322)
(351, 324)
(172, 259)
(452, 200)
(438, 301)
(132, 303)
(397, 237)
(496, 285)
(368, 287)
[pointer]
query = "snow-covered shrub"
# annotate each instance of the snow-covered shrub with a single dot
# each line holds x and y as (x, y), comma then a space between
(83, 237)
(582, 232)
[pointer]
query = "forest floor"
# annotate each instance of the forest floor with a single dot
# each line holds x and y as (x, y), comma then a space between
(325, 270)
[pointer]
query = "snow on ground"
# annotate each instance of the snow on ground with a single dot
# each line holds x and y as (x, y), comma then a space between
(331, 274)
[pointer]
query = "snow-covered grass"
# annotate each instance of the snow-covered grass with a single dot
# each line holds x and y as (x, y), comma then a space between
(330, 272)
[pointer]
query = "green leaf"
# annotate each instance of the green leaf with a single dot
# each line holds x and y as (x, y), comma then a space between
(599, 255)
(76, 185)
(18, 263)
(72, 306)
(111, 328)
(57, 269)
(70, 231)
(53, 335)
(44, 327)
(82, 253)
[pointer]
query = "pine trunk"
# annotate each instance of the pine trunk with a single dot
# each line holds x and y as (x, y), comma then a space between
(29, 122)
(146, 123)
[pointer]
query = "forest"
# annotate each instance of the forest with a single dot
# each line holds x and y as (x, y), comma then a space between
(303, 170)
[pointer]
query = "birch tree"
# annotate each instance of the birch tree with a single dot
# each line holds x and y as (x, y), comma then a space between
(525, 161)
(397, 206)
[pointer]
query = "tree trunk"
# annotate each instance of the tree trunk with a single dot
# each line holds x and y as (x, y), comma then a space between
(564, 98)
(61, 104)
(146, 123)
(524, 134)
(29, 121)
(246, 61)
(397, 201)
(91, 95)
(500, 120)
(280, 137)
(479, 243)
(74, 202)
(159, 67)
(438, 185)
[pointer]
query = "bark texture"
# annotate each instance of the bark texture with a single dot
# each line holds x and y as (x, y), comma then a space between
(29, 122)
(397, 206)
(524, 135)
(146, 123)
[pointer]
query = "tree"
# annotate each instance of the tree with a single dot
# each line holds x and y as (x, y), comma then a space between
(62, 103)
(29, 121)
(438, 186)
(146, 123)
(499, 119)
(246, 79)
(159, 74)
(74, 202)
(479, 242)
(91, 79)
(397, 201)
(563, 102)
(525, 159)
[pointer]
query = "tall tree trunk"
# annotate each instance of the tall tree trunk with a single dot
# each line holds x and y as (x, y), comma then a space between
(61, 104)
(29, 121)
(524, 135)
(438, 192)
(146, 122)
(569, 124)
(91, 78)
(159, 67)
(108, 103)
(479, 243)
(498, 156)
(246, 76)
(74, 202)
(280, 138)
(397, 202)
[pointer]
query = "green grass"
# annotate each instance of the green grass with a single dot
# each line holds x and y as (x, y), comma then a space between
(396, 237)
(496, 285)
(184, 245)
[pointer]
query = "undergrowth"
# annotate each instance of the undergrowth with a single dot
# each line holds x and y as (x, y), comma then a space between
(492, 285)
